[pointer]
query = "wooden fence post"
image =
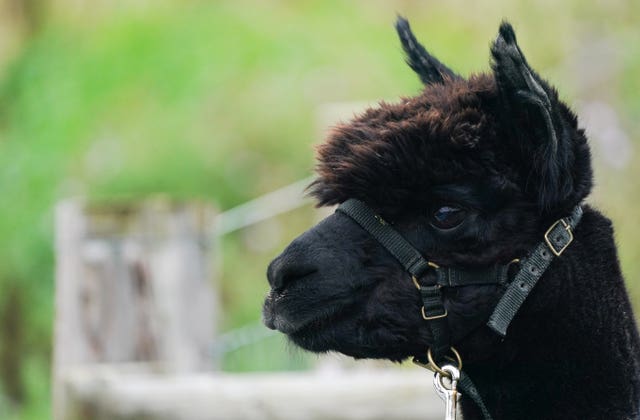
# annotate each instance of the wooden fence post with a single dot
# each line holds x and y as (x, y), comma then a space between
(133, 284)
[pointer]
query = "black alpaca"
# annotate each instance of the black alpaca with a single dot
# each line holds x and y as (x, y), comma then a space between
(472, 172)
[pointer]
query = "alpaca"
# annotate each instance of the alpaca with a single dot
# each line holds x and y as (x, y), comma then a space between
(472, 173)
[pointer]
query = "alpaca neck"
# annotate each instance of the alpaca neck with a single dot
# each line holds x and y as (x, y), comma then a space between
(578, 367)
(573, 350)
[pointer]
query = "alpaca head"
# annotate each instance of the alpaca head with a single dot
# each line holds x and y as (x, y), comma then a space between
(470, 171)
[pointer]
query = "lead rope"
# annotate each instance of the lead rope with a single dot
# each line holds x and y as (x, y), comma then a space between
(470, 390)
(450, 395)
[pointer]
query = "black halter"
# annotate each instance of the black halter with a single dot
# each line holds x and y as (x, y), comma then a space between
(556, 240)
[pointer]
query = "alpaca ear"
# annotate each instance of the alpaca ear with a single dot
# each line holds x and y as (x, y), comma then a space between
(424, 64)
(533, 119)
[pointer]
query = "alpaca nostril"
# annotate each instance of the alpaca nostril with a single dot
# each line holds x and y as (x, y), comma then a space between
(282, 272)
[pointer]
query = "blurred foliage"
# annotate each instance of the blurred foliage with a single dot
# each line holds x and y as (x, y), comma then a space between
(219, 100)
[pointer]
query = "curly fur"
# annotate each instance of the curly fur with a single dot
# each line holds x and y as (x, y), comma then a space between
(503, 147)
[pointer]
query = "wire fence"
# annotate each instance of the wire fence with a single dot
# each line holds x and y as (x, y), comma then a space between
(260, 209)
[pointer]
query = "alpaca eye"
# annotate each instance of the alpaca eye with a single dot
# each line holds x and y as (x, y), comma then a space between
(447, 217)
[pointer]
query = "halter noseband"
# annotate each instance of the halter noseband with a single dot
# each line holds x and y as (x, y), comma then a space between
(556, 240)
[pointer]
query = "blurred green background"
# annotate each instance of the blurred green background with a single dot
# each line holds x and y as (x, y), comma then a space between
(219, 100)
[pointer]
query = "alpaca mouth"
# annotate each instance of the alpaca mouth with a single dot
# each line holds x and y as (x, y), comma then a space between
(280, 323)
(275, 317)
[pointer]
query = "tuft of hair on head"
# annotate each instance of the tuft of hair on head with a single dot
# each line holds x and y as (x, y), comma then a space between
(429, 69)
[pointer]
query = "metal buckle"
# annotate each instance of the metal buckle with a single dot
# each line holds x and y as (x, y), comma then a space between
(429, 318)
(553, 249)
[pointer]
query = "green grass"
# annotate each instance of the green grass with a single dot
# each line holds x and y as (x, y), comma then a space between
(218, 101)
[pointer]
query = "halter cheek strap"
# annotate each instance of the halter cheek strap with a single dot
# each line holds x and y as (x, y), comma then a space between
(556, 240)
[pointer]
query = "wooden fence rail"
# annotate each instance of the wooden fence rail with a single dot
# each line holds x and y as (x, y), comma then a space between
(109, 393)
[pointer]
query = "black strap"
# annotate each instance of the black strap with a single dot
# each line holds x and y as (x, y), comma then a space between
(453, 277)
(410, 258)
(468, 389)
(433, 305)
(557, 239)
(435, 312)
(399, 247)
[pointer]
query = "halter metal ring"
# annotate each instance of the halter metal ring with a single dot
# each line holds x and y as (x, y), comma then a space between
(432, 364)
(415, 280)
